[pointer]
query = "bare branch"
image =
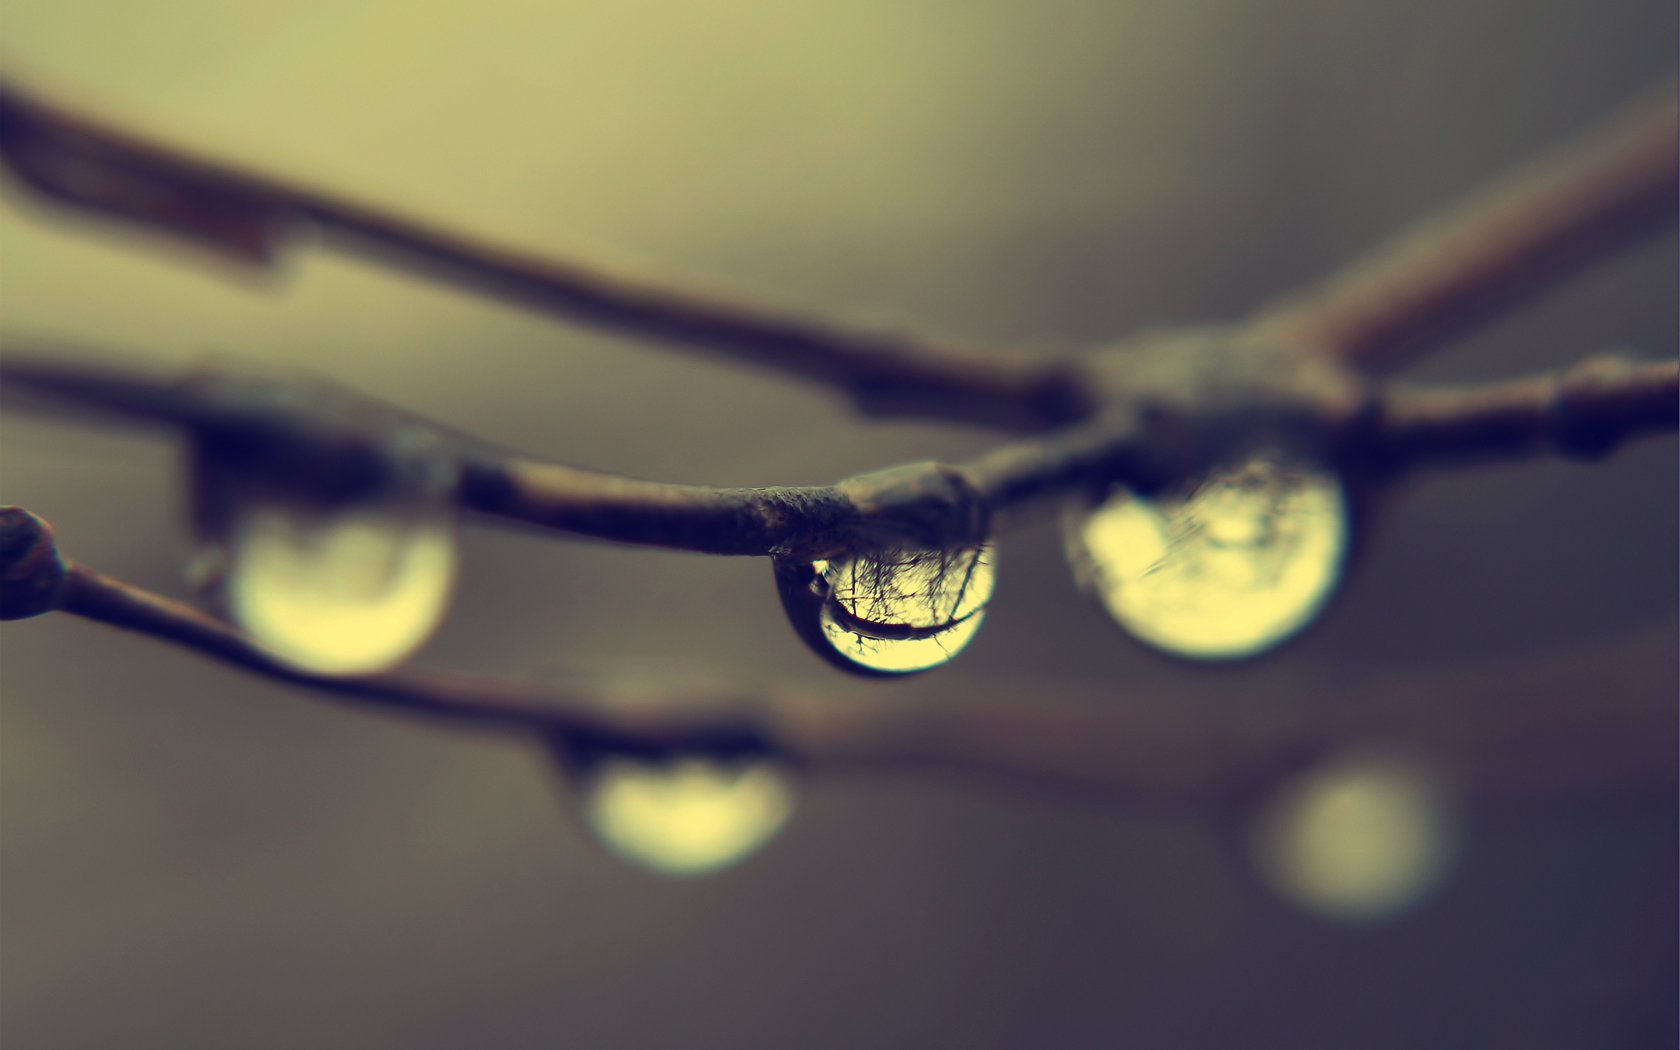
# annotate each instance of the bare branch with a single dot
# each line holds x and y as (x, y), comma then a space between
(1462, 266)
(1588, 410)
(81, 161)
(1497, 730)
(1171, 425)
(1426, 286)
(319, 433)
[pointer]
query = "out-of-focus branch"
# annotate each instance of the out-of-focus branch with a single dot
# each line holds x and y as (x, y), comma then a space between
(81, 161)
(1172, 425)
(1464, 265)
(1585, 720)
(1587, 410)
(1405, 297)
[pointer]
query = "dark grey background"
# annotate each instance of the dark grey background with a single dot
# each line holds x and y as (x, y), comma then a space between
(189, 858)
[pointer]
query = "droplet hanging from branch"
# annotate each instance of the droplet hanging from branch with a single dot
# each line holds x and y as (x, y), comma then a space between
(1226, 568)
(893, 611)
(340, 569)
(687, 813)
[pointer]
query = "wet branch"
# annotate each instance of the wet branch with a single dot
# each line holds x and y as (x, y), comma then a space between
(1158, 409)
(318, 431)
(1582, 720)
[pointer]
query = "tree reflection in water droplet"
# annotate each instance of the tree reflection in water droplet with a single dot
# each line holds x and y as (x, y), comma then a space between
(898, 611)
(1232, 567)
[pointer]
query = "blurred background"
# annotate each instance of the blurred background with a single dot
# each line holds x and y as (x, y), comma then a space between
(191, 858)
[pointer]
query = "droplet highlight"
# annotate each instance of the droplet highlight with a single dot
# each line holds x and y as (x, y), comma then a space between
(1360, 839)
(1225, 569)
(892, 611)
(684, 815)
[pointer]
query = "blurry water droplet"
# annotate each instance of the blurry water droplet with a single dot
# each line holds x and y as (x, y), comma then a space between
(1358, 839)
(683, 815)
(334, 564)
(1226, 569)
(339, 590)
(892, 611)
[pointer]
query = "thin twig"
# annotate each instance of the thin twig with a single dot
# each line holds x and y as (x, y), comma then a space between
(1408, 296)
(1588, 409)
(1495, 730)
(1468, 263)
(82, 161)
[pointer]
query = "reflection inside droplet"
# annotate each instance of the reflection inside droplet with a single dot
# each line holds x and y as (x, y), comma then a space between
(902, 610)
(1228, 569)
(1359, 839)
(686, 815)
(339, 590)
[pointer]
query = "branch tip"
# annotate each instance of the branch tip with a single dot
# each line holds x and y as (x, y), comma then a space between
(32, 574)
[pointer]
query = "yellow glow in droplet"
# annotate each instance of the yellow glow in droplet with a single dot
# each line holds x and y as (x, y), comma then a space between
(1356, 840)
(687, 816)
(340, 591)
(935, 602)
(1238, 565)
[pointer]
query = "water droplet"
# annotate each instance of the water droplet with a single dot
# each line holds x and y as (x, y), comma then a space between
(1358, 839)
(685, 814)
(348, 590)
(893, 611)
(1226, 569)
(350, 584)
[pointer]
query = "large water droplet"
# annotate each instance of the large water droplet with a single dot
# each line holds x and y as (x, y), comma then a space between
(1225, 569)
(1358, 839)
(892, 611)
(340, 580)
(341, 590)
(684, 814)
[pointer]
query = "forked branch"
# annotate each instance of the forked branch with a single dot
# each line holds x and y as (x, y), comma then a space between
(1586, 410)
(1616, 183)
(1157, 409)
